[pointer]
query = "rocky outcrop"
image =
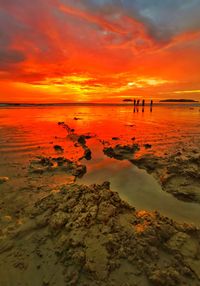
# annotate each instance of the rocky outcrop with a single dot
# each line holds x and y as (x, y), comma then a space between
(89, 236)
(177, 173)
(43, 165)
(121, 152)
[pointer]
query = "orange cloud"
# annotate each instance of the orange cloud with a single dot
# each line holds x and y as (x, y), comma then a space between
(53, 51)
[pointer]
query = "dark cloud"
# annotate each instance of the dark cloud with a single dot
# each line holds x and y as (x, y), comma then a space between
(166, 19)
(11, 57)
(163, 19)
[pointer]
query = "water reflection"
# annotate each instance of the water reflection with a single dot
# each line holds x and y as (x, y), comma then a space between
(137, 187)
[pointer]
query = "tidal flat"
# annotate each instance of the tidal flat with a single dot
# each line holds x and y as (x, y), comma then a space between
(93, 195)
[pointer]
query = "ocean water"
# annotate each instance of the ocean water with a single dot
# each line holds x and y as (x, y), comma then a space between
(27, 132)
(24, 130)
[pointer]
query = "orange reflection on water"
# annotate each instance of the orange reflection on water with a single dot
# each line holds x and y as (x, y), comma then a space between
(29, 132)
(36, 129)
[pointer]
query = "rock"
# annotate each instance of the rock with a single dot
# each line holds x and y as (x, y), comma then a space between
(44, 161)
(58, 148)
(106, 185)
(61, 161)
(184, 195)
(58, 220)
(3, 180)
(115, 138)
(148, 162)
(106, 211)
(81, 140)
(165, 277)
(87, 154)
(41, 165)
(147, 146)
(121, 152)
(79, 171)
(88, 136)
(66, 127)
(58, 164)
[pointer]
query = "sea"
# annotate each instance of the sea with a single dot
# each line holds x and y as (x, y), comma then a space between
(29, 131)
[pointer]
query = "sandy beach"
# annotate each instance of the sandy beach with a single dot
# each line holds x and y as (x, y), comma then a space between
(69, 218)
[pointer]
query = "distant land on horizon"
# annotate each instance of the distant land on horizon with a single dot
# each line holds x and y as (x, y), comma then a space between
(178, 100)
(127, 100)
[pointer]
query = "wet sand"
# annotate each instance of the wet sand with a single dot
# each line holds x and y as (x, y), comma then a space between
(57, 230)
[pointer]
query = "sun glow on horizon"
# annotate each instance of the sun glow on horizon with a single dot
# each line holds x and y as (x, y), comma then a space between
(83, 87)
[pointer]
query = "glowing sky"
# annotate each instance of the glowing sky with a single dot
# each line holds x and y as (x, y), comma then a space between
(99, 50)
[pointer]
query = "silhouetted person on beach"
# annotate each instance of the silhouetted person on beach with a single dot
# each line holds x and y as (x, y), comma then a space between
(134, 102)
(138, 101)
(143, 102)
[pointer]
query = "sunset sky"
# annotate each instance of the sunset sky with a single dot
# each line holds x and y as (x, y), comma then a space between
(99, 50)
